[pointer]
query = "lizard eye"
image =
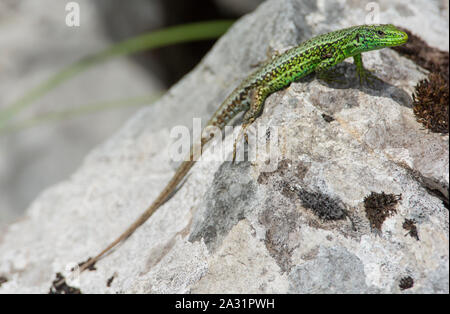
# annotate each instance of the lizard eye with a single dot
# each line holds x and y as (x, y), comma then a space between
(381, 33)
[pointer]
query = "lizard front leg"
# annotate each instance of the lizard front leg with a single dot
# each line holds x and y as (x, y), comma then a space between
(362, 73)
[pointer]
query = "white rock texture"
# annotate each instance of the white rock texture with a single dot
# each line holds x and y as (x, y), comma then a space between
(235, 228)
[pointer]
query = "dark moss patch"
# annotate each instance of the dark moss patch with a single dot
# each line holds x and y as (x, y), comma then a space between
(380, 206)
(406, 283)
(3, 279)
(59, 286)
(91, 267)
(321, 204)
(327, 118)
(431, 96)
(431, 102)
(430, 58)
(410, 225)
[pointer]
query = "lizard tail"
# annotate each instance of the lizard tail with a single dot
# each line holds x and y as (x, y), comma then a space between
(181, 172)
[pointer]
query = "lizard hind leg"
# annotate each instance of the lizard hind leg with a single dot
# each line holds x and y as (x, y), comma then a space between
(258, 97)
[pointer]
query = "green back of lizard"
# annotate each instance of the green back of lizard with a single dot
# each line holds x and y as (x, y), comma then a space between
(318, 53)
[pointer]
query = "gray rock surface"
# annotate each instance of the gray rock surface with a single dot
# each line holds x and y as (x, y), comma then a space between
(238, 228)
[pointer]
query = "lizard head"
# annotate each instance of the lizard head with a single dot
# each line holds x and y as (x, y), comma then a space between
(372, 37)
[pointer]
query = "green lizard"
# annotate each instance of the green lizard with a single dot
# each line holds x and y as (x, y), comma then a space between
(315, 55)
